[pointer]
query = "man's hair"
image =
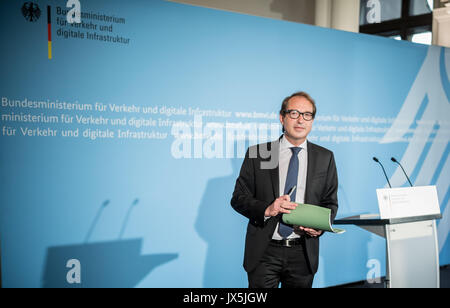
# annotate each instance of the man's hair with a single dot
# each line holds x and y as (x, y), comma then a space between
(300, 94)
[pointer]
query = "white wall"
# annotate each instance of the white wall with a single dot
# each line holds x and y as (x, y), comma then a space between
(441, 26)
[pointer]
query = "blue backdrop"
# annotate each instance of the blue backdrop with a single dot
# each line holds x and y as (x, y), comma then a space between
(121, 148)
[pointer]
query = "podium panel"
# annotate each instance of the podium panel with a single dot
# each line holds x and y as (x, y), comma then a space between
(412, 255)
(412, 251)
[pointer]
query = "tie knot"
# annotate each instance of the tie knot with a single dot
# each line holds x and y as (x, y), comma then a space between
(295, 150)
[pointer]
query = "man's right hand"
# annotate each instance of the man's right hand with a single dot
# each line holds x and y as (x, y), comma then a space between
(282, 205)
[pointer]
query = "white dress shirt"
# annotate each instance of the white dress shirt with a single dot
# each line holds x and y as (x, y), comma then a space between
(283, 165)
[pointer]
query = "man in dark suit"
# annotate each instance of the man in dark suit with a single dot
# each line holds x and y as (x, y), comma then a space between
(273, 177)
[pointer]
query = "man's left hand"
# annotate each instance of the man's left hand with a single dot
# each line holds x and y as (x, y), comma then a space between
(311, 232)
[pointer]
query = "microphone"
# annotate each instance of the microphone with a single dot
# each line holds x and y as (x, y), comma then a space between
(404, 172)
(384, 171)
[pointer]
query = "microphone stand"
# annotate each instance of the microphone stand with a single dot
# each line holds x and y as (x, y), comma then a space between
(404, 172)
(384, 171)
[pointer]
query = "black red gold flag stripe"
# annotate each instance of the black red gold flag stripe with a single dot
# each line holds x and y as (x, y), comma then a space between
(49, 30)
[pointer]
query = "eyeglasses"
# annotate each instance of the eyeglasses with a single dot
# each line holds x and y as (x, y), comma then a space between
(295, 114)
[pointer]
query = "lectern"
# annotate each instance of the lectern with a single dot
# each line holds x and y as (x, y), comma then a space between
(407, 221)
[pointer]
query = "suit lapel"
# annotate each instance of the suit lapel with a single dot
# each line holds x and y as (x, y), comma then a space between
(274, 176)
(312, 160)
(274, 172)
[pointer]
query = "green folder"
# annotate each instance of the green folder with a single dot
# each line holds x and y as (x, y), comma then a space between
(311, 216)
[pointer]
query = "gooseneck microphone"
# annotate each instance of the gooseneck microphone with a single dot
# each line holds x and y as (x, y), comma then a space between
(384, 171)
(404, 172)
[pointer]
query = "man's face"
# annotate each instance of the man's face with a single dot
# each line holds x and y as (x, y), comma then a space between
(296, 130)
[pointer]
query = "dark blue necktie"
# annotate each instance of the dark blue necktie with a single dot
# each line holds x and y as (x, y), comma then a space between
(291, 181)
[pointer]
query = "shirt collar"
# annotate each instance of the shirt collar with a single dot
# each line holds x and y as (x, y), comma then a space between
(285, 144)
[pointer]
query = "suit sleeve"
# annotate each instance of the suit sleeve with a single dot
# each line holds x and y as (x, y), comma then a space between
(244, 200)
(329, 196)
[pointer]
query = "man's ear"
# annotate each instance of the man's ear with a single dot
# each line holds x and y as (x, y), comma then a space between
(282, 123)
